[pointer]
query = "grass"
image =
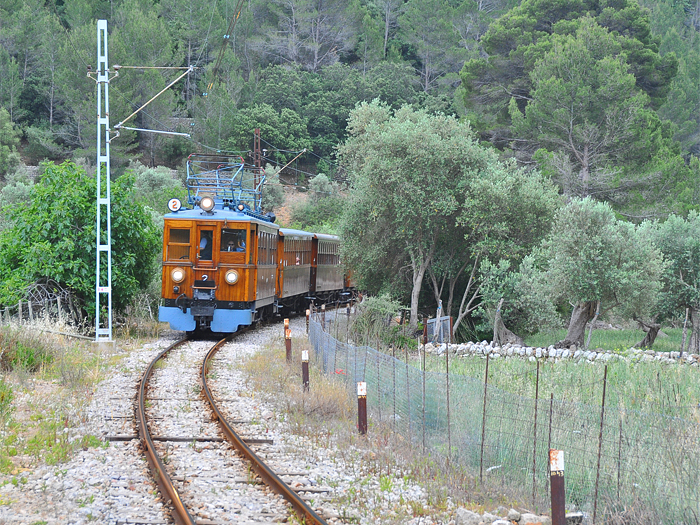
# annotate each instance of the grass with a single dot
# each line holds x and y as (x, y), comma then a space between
(652, 387)
(326, 417)
(616, 340)
(46, 379)
(650, 429)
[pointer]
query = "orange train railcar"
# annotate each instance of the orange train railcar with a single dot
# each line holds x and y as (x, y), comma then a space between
(327, 273)
(218, 270)
(226, 264)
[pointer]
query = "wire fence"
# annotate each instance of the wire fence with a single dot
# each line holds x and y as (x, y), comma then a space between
(56, 309)
(622, 466)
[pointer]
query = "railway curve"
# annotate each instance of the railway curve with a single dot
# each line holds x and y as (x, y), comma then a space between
(156, 447)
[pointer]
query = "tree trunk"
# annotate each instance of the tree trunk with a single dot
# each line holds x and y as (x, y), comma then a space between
(501, 335)
(415, 292)
(652, 330)
(694, 345)
(582, 313)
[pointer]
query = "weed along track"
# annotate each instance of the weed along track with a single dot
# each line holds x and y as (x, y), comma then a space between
(187, 403)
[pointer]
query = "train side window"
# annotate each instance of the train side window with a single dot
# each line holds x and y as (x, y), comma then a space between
(232, 240)
(178, 244)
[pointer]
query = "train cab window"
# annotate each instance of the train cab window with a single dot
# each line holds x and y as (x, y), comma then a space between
(206, 241)
(178, 244)
(233, 240)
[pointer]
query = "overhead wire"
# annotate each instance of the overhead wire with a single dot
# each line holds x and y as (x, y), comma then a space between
(227, 37)
(169, 129)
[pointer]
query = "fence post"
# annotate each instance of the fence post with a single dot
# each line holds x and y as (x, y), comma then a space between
(19, 309)
(323, 317)
(425, 340)
(447, 387)
(60, 314)
(31, 311)
(393, 363)
(534, 436)
(362, 407)
(288, 340)
(600, 445)
(379, 385)
(556, 476)
(305, 369)
(619, 459)
(408, 400)
(308, 314)
(483, 422)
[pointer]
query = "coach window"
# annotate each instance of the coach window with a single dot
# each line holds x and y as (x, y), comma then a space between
(178, 244)
(232, 240)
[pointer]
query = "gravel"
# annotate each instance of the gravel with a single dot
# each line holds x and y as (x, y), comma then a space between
(112, 484)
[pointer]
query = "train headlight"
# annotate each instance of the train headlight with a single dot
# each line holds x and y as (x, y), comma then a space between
(207, 204)
(178, 275)
(231, 277)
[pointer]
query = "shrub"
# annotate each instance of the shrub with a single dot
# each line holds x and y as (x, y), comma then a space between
(22, 350)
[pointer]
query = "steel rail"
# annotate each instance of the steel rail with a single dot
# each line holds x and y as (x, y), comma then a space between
(272, 480)
(165, 484)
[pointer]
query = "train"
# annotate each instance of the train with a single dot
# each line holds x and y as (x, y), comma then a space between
(226, 264)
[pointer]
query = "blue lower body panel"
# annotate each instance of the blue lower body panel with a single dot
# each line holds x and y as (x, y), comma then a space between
(229, 320)
(177, 318)
(224, 320)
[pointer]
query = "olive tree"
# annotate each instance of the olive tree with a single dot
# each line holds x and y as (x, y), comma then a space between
(598, 263)
(679, 241)
(422, 186)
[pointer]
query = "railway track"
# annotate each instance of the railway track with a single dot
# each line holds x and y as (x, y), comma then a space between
(202, 477)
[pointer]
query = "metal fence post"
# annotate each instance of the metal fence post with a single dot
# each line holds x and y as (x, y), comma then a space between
(308, 314)
(288, 340)
(305, 369)
(534, 436)
(600, 445)
(483, 422)
(323, 317)
(556, 473)
(425, 340)
(362, 407)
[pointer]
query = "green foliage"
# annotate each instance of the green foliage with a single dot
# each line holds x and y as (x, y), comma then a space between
(592, 256)
(679, 241)
(323, 209)
(322, 215)
(6, 397)
(273, 191)
(53, 237)
(41, 145)
(373, 321)
(154, 187)
(615, 340)
(278, 127)
(9, 140)
(527, 307)
(425, 195)
(580, 81)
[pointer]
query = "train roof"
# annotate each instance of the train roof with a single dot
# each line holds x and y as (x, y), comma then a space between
(290, 232)
(217, 214)
(326, 237)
